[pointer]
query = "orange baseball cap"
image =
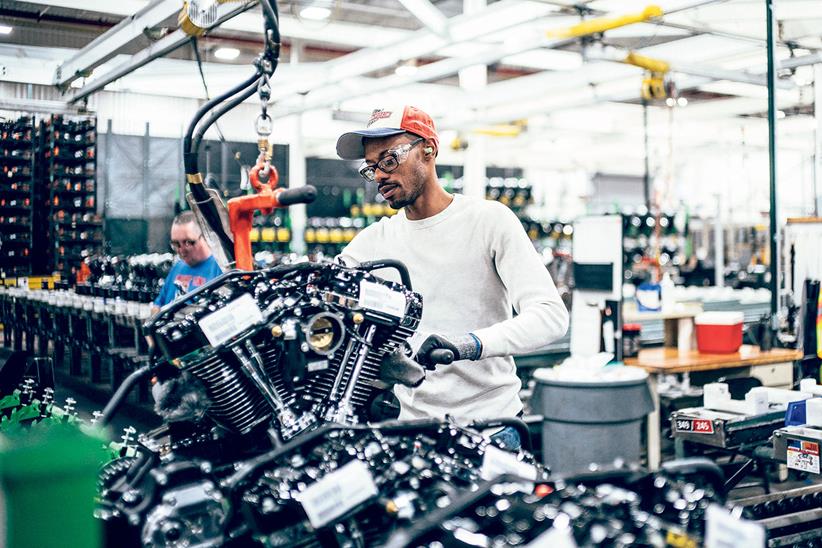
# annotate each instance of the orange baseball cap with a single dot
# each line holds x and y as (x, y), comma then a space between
(385, 123)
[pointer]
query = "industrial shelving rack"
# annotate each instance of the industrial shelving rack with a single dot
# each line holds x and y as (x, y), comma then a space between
(18, 196)
(271, 232)
(651, 241)
(70, 176)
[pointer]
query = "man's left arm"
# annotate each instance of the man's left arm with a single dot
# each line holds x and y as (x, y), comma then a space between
(541, 315)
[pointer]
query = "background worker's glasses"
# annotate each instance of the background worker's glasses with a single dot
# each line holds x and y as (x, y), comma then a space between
(175, 245)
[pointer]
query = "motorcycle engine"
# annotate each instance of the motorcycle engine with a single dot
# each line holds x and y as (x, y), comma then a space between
(290, 347)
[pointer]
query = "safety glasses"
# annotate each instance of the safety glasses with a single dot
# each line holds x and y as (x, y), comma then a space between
(390, 162)
(175, 245)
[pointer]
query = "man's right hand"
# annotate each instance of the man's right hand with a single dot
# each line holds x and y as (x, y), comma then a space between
(436, 350)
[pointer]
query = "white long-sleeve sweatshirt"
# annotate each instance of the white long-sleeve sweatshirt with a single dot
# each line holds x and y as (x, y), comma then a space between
(473, 264)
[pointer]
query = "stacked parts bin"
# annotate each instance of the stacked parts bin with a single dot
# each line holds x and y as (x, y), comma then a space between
(18, 201)
(70, 175)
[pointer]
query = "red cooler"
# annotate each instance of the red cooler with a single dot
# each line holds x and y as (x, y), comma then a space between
(719, 332)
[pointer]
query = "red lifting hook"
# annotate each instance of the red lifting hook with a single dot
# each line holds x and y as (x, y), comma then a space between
(241, 210)
(268, 171)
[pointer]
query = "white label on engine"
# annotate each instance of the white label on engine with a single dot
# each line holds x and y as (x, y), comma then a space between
(496, 462)
(233, 318)
(337, 493)
(382, 299)
(722, 530)
(318, 365)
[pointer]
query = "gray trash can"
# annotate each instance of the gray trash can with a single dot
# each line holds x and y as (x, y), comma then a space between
(591, 416)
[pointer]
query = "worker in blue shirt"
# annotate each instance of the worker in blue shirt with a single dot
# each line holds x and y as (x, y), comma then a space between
(196, 265)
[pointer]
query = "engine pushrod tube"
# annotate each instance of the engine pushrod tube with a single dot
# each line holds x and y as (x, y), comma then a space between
(355, 374)
(343, 365)
(256, 377)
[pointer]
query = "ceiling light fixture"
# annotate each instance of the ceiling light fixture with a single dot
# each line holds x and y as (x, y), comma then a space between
(405, 69)
(226, 54)
(315, 13)
(5, 29)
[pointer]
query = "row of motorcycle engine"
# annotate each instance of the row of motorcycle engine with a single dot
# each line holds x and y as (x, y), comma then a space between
(136, 278)
(263, 351)
(431, 489)
(654, 510)
(413, 469)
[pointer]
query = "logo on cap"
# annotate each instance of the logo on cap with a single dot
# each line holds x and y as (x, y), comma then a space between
(378, 114)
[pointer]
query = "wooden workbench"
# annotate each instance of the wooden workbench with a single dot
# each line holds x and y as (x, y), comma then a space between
(774, 367)
(670, 360)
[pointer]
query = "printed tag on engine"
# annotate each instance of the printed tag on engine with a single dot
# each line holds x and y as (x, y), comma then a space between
(337, 493)
(496, 462)
(722, 530)
(803, 455)
(382, 299)
(232, 319)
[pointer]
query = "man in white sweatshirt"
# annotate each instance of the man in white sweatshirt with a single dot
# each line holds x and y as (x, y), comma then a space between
(471, 261)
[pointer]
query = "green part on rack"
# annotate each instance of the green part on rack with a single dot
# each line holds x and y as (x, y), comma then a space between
(20, 415)
(12, 400)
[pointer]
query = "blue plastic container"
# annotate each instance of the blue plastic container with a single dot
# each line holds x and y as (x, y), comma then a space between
(649, 297)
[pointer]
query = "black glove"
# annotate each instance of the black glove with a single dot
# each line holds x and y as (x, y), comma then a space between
(436, 350)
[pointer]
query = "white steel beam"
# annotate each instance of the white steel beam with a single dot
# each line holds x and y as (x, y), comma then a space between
(339, 33)
(609, 53)
(461, 28)
(328, 95)
(106, 46)
(729, 75)
(428, 15)
(500, 16)
(801, 61)
(120, 7)
(333, 32)
(159, 48)
(38, 105)
(331, 87)
(542, 103)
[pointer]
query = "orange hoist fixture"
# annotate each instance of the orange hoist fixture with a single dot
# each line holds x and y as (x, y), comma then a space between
(263, 178)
